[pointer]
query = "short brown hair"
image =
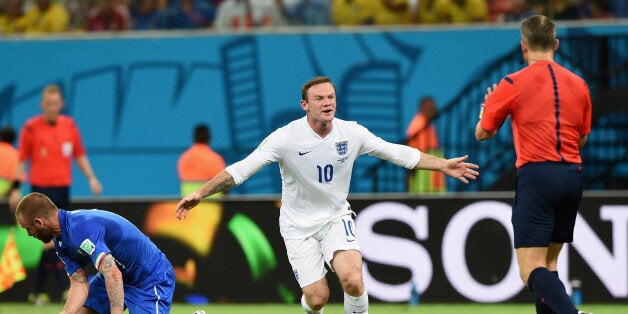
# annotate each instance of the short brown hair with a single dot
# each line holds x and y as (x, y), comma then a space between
(51, 88)
(315, 81)
(35, 205)
(539, 32)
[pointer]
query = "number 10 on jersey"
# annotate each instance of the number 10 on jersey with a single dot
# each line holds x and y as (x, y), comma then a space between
(325, 173)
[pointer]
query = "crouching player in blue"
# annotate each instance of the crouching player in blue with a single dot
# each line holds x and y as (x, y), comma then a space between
(132, 272)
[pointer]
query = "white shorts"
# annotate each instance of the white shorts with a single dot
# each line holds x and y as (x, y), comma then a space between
(309, 255)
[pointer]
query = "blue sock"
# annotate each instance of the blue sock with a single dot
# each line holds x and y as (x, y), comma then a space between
(541, 307)
(551, 291)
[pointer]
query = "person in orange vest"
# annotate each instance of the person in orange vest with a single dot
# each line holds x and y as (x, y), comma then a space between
(421, 134)
(199, 163)
(9, 157)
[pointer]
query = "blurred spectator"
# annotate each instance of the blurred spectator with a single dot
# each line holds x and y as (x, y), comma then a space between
(46, 16)
(520, 10)
(310, 12)
(11, 12)
(268, 13)
(353, 12)
(238, 14)
(421, 134)
(452, 11)
(187, 14)
(108, 15)
(564, 9)
(234, 14)
(497, 10)
(391, 12)
(540, 6)
(598, 9)
(145, 13)
(620, 7)
(79, 11)
(425, 12)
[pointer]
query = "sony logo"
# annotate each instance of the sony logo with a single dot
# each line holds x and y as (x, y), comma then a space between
(608, 263)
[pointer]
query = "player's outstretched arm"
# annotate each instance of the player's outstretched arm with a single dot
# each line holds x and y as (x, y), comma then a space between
(454, 167)
(79, 289)
(221, 182)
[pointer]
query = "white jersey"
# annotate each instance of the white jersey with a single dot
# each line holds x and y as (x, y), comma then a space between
(315, 171)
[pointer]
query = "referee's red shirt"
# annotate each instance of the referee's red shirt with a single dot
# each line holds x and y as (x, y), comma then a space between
(550, 108)
(50, 149)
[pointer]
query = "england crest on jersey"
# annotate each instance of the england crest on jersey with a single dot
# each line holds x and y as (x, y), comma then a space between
(341, 148)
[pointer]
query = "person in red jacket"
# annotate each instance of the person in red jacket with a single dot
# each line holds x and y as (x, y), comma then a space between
(50, 141)
(108, 15)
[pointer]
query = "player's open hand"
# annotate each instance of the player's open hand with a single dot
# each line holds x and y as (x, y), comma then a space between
(461, 170)
(187, 203)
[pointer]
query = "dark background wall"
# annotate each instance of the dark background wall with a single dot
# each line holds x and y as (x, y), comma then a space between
(455, 248)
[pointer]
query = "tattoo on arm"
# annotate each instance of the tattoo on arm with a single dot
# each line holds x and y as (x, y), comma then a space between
(79, 276)
(113, 282)
(223, 181)
(224, 185)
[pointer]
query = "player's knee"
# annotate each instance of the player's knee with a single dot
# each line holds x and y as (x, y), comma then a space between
(353, 285)
(317, 298)
(317, 301)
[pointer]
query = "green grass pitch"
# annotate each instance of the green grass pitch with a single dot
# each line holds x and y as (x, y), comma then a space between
(374, 308)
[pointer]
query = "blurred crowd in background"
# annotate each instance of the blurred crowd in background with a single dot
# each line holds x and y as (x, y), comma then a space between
(32, 17)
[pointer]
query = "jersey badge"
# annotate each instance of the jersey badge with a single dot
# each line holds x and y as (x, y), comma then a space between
(88, 246)
(67, 148)
(341, 148)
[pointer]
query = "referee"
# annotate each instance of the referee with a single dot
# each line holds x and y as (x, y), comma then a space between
(550, 108)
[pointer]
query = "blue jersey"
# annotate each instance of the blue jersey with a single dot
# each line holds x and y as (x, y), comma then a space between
(88, 235)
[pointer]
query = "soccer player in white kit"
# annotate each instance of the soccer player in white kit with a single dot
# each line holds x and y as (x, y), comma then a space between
(316, 154)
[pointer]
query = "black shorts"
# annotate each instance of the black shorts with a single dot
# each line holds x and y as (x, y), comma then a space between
(547, 197)
(60, 196)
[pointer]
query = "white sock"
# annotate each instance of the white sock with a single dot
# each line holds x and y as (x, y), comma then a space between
(307, 308)
(357, 304)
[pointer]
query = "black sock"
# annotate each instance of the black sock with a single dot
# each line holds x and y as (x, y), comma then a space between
(551, 291)
(541, 307)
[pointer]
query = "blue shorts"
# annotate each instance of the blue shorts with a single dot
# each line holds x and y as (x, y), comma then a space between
(547, 197)
(154, 296)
